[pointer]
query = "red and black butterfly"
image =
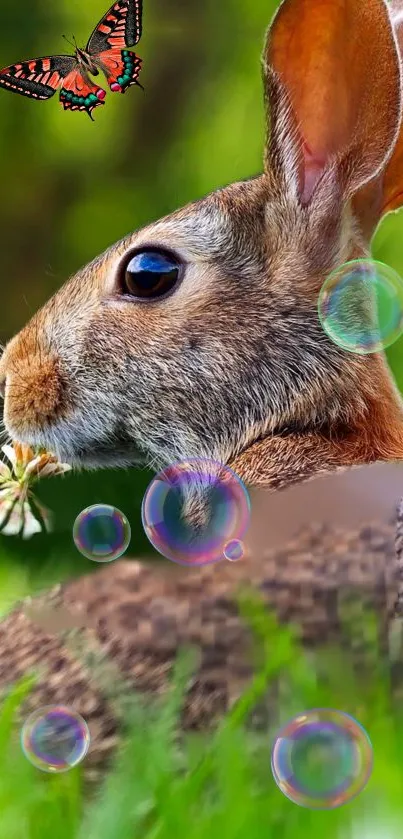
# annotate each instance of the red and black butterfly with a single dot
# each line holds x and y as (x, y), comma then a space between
(106, 50)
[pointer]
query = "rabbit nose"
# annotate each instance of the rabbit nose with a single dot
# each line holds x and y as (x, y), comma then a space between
(35, 390)
(3, 375)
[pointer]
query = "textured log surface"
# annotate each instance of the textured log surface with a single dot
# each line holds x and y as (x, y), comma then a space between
(94, 639)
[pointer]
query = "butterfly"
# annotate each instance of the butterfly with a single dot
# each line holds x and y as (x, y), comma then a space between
(106, 50)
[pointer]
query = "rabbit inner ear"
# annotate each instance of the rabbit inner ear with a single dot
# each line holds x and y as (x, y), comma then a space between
(337, 65)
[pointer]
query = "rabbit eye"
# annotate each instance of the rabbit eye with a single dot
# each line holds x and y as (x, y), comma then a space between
(150, 274)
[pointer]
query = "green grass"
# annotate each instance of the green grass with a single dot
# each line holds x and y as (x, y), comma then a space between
(163, 786)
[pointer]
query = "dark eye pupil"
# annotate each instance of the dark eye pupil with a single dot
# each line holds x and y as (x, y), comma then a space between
(151, 274)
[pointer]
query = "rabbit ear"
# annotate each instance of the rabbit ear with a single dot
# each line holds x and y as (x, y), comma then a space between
(392, 188)
(384, 193)
(332, 81)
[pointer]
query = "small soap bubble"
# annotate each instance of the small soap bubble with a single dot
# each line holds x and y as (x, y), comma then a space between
(193, 509)
(101, 533)
(55, 738)
(321, 759)
(360, 306)
(234, 550)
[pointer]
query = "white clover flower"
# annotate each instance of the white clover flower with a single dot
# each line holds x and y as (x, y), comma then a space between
(21, 513)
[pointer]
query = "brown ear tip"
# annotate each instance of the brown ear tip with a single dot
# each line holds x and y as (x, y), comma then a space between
(343, 83)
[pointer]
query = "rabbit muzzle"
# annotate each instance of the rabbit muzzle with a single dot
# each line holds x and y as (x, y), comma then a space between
(32, 388)
(40, 409)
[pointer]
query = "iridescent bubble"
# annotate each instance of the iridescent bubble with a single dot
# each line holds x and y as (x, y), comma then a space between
(234, 550)
(191, 510)
(55, 738)
(361, 306)
(321, 759)
(101, 533)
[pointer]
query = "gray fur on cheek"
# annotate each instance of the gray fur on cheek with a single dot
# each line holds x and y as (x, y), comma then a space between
(207, 396)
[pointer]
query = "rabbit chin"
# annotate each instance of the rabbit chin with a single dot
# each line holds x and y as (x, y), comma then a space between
(84, 454)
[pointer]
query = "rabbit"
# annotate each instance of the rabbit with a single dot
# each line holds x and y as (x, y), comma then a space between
(221, 354)
(198, 336)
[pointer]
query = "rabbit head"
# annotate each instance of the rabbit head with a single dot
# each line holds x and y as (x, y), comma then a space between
(198, 336)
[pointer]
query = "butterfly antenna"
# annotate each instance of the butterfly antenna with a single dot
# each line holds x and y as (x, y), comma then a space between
(69, 42)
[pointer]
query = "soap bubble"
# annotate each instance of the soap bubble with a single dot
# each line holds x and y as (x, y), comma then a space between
(191, 510)
(55, 738)
(321, 759)
(101, 533)
(234, 550)
(361, 306)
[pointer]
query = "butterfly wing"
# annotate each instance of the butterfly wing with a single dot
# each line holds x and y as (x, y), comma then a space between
(119, 28)
(79, 93)
(38, 78)
(121, 68)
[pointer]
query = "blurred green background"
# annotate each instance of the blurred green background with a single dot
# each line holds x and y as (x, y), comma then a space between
(70, 187)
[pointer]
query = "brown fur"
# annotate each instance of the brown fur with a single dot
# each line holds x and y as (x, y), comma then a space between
(234, 365)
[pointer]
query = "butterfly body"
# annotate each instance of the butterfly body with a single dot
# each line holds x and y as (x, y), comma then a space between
(107, 51)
